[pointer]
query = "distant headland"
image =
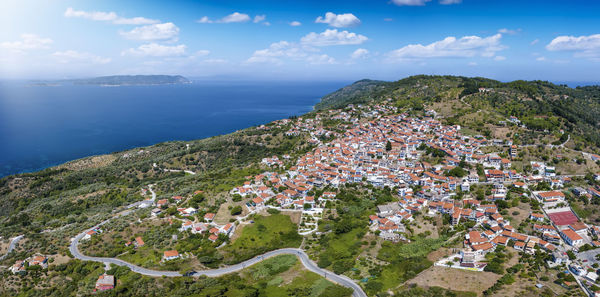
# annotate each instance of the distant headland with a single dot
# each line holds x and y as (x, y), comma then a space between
(133, 80)
(118, 80)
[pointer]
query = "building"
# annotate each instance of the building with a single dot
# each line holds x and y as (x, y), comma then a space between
(551, 197)
(139, 242)
(209, 217)
(105, 282)
(170, 255)
(513, 151)
(41, 261)
(18, 267)
(571, 237)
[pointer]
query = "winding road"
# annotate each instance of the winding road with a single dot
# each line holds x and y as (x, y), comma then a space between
(11, 246)
(304, 259)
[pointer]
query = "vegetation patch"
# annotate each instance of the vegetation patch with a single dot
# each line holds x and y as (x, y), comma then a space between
(265, 234)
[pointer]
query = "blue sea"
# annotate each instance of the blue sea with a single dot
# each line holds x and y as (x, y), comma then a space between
(42, 126)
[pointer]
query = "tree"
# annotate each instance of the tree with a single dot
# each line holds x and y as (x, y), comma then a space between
(388, 146)
(456, 172)
(236, 210)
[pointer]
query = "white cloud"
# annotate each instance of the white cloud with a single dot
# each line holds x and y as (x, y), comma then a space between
(472, 64)
(509, 31)
(276, 51)
(332, 37)
(359, 53)
(216, 61)
(540, 59)
(295, 24)
(339, 20)
(582, 46)
(467, 46)
(202, 53)
(448, 2)
(156, 50)
(534, 42)
(388, 20)
(165, 31)
(71, 56)
(27, 42)
(259, 18)
(235, 17)
(204, 20)
(108, 17)
(320, 59)
(499, 58)
(410, 2)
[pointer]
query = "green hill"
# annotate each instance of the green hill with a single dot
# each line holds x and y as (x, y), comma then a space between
(540, 105)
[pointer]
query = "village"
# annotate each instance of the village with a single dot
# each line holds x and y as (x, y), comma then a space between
(396, 151)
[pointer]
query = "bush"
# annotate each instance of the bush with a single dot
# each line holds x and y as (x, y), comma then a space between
(273, 211)
(236, 210)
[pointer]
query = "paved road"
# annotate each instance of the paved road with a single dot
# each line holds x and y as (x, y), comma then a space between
(304, 259)
(11, 246)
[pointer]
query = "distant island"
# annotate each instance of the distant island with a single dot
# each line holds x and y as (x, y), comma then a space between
(132, 80)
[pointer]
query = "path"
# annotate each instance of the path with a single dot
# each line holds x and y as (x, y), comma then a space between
(11, 246)
(304, 259)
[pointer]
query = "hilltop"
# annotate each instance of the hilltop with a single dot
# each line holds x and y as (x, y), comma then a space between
(541, 106)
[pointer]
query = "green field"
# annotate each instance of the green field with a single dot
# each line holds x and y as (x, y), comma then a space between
(283, 275)
(144, 256)
(406, 261)
(265, 234)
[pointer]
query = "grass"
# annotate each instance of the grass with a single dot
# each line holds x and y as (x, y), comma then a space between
(144, 256)
(407, 260)
(395, 274)
(421, 247)
(266, 234)
(272, 266)
(283, 275)
(581, 211)
(306, 283)
(344, 245)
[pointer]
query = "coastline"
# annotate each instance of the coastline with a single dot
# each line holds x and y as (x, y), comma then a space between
(126, 149)
(112, 120)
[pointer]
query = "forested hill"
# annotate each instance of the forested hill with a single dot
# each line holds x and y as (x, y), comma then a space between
(540, 105)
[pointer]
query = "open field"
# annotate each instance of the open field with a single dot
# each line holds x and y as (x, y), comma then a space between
(266, 233)
(455, 279)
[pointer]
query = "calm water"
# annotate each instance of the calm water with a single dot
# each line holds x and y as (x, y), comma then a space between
(46, 126)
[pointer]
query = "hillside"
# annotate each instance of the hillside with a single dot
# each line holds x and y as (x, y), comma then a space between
(543, 107)
(221, 180)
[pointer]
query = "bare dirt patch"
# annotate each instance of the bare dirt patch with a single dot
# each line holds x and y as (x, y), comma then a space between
(294, 215)
(423, 226)
(289, 275)
(80, 197)
(92, 162)
(224, 214)
(3, 247)
(455, 279)
(438, 254)
(59, 259)
(238, 231)
(523, 212)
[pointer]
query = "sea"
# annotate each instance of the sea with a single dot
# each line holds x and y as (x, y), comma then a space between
(43, 126)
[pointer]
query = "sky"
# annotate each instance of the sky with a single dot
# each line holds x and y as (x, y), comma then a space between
(301, 40)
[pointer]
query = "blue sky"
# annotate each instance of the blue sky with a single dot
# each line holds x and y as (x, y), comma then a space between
(303, 40)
